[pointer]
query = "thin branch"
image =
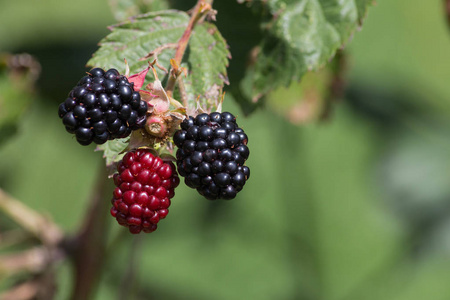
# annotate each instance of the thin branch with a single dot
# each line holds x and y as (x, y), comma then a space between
(14, 237)
(41, 286)
(25, 291)
(198, 12)
(38, 260)
(44, 229)
(128, 281)
(35, 260)
(88, 246)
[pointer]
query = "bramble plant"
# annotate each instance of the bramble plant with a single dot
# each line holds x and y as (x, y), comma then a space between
(122, 113)
(152, 101)
(106, 105)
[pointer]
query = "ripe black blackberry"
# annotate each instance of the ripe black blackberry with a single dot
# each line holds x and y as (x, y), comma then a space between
(212, 150)
(102, 106)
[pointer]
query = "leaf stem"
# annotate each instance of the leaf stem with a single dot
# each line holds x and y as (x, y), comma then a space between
(198, 12)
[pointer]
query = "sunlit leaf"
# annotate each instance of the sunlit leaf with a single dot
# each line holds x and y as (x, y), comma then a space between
(206, 57)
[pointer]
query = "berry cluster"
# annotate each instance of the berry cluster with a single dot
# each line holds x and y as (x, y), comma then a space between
(212, 150)
(103, 106)
(145, 185)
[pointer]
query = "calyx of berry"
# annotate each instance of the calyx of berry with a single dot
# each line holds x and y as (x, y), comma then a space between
(162, 121)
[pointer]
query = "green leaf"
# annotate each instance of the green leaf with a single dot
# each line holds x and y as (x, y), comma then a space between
(113, 151)
(208, 61)
(206, 57)
(134, 39)
(123, 9)
(302, 36)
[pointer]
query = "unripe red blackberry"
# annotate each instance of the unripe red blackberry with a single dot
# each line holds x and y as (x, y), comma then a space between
(145, 185)
(103, 106)
(211, 154)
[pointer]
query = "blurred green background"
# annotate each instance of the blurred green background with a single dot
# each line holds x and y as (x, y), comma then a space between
(357, 207)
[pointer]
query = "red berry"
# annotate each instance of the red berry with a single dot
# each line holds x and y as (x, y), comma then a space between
(145, 184)
(113, 211)
(117, 193)
(127, 176)
(136, 186)
(163, 213)
(165, 171)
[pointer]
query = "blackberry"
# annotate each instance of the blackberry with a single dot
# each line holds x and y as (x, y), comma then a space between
(212, 150)
(144, 186)
(103, 106)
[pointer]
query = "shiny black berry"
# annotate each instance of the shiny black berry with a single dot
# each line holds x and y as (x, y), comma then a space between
(96, 72)
(211, 154)
(103, 106)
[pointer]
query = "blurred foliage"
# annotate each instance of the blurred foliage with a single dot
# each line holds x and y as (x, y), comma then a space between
(299, 36)
(356, 207)
(123, 9)
(314, 97)
(17, 78)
